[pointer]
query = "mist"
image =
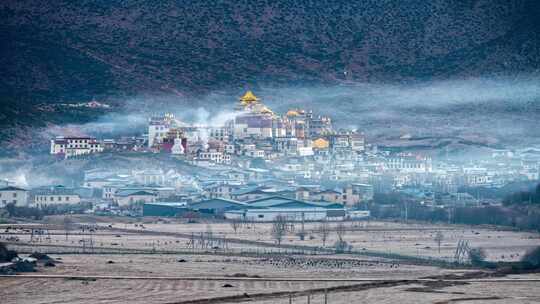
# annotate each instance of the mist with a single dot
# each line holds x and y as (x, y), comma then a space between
(491, 110)
(497, 107)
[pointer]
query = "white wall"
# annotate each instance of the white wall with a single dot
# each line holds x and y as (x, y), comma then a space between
(19, 197)
(56, 199)
(268, 215)
(128, 200)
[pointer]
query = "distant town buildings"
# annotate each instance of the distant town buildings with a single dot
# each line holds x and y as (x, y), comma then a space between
(259, 156)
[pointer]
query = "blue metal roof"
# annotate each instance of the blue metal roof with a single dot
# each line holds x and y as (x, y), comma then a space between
(283, 202)
(217, 203)
(130, 192)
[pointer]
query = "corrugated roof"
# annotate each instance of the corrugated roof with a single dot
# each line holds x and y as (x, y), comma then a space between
(278, 201)
(124, 193)
(216, 203)
(245, 190)
(11, 188)
(168, 204)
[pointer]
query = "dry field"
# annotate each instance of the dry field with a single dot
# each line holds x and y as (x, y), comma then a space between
(387, 237)
(136, 265)
(409, 239)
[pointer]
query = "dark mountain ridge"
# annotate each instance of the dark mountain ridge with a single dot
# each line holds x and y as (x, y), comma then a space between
(64, 50)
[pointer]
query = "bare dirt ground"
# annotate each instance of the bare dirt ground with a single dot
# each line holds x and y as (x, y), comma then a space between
(475, 293)
(389, 237)
(183, 277)
(409, 239)
(171, 291)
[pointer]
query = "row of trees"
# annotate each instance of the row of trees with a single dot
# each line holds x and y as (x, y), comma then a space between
(281, 226)
(523, 197)
(522, 217)
(38, 213)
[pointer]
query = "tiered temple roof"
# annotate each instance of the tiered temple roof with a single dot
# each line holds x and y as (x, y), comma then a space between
(253, 104)
(249, 98)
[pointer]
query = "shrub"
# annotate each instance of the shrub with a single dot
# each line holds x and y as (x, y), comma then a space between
(477, 256)
(532, 258)
(6, 255)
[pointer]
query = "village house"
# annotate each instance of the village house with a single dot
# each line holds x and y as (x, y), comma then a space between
(355, 193)
(67, 147)
(129, 197)
(212, 156)
(13, 195)
(56, 195)
(158, 128)
(221, 190)
(249, 193)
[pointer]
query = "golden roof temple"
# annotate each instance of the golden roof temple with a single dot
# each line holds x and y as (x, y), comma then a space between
(250, 102)
(248, 99)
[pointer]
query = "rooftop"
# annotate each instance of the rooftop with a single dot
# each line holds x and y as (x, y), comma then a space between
(249, 97)
(11, 188)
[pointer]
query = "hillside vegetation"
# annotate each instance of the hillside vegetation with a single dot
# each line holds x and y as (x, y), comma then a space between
(76, 49)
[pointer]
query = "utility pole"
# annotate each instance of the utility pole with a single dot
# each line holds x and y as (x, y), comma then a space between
(406, 210)
(303, 231)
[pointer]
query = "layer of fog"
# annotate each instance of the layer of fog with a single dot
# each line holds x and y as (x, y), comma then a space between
(497, 112)
(497, 109)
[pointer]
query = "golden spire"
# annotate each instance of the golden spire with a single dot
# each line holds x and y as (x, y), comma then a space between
(249, 98)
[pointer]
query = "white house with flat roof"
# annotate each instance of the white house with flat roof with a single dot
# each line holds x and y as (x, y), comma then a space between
(13, 195)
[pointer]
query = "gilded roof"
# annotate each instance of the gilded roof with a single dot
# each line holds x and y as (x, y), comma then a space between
(292, 113)
(249, 97)
(320, 143)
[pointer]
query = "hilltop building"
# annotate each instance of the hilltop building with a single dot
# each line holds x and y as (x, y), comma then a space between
(159, 127)
(67, 147)
(256, 121)
(174, 142)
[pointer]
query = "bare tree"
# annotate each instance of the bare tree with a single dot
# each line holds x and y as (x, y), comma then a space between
(477, 256)
(209, 236)
(247, 222)
(279, 228)
(324, 231)
(340, 231)
(302, 233)
(235, 224)
(341, 246)
(68, 225)
(439, 237)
